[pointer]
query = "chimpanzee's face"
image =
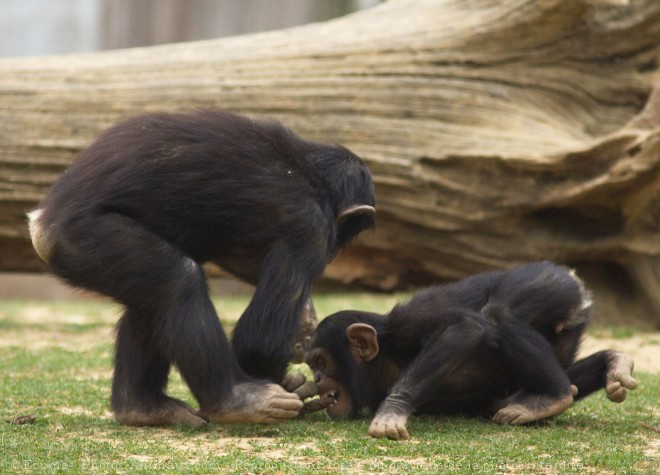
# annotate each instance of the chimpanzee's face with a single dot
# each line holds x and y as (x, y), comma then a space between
(329, 381)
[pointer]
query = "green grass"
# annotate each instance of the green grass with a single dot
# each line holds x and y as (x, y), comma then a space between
(56, 363)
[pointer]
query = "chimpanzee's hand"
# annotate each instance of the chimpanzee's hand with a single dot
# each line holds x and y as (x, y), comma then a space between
(392, 416)
(318, 404)
(390, 425)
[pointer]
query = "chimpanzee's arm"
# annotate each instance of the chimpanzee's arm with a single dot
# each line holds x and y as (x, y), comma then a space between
(263, 335)
(441, 354)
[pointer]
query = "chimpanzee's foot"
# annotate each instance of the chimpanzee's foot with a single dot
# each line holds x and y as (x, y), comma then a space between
(619, 376)
(522, 407)
(390, 425)
(256, 402)
(168, 412)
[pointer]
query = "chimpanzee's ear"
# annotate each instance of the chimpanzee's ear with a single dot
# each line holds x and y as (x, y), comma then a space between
(354, 210)
(363, 339)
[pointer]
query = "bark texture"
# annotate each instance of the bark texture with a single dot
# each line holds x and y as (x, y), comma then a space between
(497, 131)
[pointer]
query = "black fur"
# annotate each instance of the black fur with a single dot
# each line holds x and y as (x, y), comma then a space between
(156, 196)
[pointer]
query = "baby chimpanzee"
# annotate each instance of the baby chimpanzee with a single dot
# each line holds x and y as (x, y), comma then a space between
(501, 343)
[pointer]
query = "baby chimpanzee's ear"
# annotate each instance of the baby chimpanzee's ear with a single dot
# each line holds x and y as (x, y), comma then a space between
(363, 339)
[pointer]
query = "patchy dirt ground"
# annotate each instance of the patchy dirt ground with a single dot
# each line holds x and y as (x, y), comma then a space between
(643, 347)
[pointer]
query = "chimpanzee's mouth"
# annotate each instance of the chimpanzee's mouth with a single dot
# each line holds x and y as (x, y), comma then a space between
(330, 398)
(338, 403)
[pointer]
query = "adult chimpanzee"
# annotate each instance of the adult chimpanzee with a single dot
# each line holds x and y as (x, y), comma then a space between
(155, 196)
(501, 343)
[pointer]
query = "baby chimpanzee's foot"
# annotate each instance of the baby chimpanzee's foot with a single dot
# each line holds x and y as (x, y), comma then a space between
(619, 376)
(523, 407)
(256, 402)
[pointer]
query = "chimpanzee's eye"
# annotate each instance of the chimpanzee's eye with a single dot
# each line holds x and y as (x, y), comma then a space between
(319, 363)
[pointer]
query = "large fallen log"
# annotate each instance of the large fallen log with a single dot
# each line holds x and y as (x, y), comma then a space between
(497, 131)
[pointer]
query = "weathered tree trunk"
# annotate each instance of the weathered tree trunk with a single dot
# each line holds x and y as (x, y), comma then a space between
(497, 131)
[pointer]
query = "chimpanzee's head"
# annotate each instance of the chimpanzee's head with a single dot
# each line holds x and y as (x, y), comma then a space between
(347, 182)
(344, 356)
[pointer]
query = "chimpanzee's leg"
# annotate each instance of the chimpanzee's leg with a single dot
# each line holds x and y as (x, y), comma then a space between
(546, 388)
(440, 356)
(140, 378)
(264, 335)
(607, 369)
(169, 319)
